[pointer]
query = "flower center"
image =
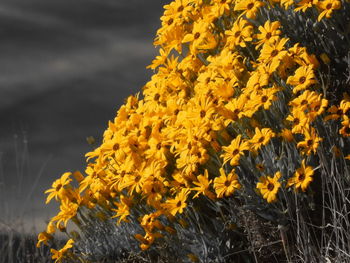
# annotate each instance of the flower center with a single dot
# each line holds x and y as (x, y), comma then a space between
(329, 6)
(238, 33)
(197, 35)
(301, 177)
(156, 97)
(264, 98)
(202, 113)
(250, 6)
(227, 183)
(268, 35)
(58, 187)
(261, 139)
(235, 152)
(303, 102)
(170, 21)
(309, 142)
(302, 80)
(274, 53)
(270, 186)
(116, 147)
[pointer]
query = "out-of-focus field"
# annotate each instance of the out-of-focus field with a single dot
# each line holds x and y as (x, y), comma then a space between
(65, 68)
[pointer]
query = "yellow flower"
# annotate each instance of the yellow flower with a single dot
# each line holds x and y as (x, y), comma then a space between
(43, 237)
(310, 143)
(240, 33)
(304, 100)
(304, 77)
(273, 53)
(305, 4)
(260, 138)
(327, 7)
(123, 210)
(177, 204)
(225, 185)
(249, 7)
(300, 121)
(233, 152)
(59, 255)
(58, 187)
(287, 135)
(268, 187)
(345, 130)
(203, 184)
(302, 177)
(269, 33)
(68, 210)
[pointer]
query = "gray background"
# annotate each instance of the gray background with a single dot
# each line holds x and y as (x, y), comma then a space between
(65, 69)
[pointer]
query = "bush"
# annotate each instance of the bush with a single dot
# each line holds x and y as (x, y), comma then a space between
(237, 149)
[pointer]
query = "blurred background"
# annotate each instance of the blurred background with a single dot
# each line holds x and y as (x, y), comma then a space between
(65, 69)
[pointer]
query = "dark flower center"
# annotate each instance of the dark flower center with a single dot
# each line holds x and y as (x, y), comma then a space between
(270, 186)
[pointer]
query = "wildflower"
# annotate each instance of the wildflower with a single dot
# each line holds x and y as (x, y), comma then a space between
(304, 100)
(249, 7)
(43, 237)
(287, 135)
(345, 130)
(233, 152)
(60, 254)
(240, 33)
(269, 33)
(260, 138)
(310, 143)
(58, 187)
(177, 204)
(305, 4)
(304, 77)
(225, 185)
(302, 177)
(334, 113)
(273, 53)
(327, 7)
(268, 187)
(203, 184)
(68, 210)
(123, 210)
(300, 121)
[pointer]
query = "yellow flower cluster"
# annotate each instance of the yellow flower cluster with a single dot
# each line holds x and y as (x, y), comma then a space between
(222, 70)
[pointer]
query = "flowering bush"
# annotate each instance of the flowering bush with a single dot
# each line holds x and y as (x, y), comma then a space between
(236, 149)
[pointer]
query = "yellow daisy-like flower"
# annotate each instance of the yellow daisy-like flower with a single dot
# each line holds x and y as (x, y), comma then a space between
(249, 7)
(233, 152)
(58, 187)
(327, 7)
(302, 177)
(59, 255)
(310, 143)
(260, 138)
(268, 187)
(240, 33)
(225, 185)
(178, 204)
(303, 78)
(268, 33)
